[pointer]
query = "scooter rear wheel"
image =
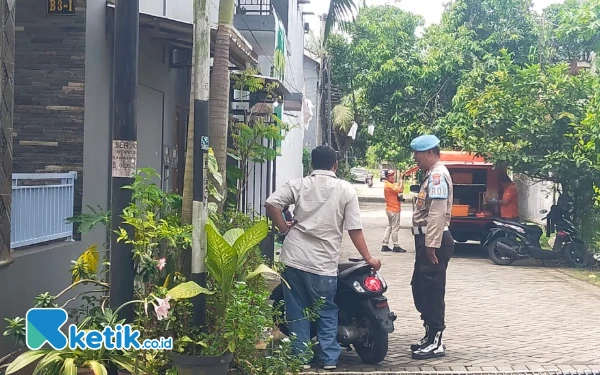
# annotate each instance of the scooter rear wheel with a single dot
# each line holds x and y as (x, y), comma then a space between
(577, 255)
(496, 254)
(375, 349)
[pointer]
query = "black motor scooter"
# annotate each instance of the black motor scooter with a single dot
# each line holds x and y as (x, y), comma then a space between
(510, 241)
(365, 319)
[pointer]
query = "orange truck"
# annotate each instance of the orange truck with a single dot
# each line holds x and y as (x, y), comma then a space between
(474, 181)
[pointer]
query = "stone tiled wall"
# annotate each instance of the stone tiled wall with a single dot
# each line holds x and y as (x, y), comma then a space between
(49, 91)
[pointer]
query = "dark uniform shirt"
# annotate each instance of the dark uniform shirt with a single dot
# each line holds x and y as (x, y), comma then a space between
(434, 205)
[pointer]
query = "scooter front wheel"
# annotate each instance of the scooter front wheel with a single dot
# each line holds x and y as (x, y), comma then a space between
(577, 255)
(373, 348)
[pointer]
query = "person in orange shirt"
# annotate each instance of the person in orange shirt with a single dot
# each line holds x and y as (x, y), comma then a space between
(392, 209)
(509, 204)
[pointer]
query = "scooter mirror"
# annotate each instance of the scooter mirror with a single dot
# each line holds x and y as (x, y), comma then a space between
(415, 188)
(544, 211)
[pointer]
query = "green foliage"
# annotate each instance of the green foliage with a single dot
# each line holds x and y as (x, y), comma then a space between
(154, 228)
(254, 139)
(338, 11)
(492, 77)
(306, 162)
(68, 361)
(215, 182)
(85, 222)
(578, 27)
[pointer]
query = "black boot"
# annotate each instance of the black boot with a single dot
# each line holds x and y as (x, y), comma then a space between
(398, 249)
(421, 342)
(433, 348)
(385, 249)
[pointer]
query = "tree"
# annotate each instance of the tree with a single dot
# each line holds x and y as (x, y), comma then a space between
(219, 89)
(540, 122)
(495, 25)
(338, 11)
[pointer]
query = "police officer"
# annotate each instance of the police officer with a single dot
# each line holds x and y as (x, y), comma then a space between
(434, 245)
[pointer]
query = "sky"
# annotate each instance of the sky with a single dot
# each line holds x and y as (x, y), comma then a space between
(431, 10)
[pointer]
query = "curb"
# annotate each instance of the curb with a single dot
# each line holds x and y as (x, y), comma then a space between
(371, 199)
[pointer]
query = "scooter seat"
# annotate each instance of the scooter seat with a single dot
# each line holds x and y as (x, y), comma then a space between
(343, 266)
(527, 228)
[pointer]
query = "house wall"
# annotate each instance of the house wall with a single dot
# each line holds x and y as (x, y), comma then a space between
(313, 135)
(181, 10)
(50, 59)
(260, 31)
(290, 161)
(161, 90)
(49, 91)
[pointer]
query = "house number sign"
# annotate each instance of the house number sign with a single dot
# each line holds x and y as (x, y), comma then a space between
(61, 7)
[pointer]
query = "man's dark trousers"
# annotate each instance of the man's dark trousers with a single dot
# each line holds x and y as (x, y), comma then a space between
(429, 282)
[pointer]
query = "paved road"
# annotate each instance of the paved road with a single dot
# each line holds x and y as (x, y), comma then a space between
(522, 317)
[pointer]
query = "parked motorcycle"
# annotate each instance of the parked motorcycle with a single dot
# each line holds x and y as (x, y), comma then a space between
(364, 319)
(510, 241)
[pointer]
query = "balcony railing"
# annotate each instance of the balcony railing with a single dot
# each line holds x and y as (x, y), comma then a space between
(255, 7)
(41, 203)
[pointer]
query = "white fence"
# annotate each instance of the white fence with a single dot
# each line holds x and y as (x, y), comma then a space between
(41, 203)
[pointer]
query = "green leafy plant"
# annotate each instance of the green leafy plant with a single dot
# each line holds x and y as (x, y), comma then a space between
(154, 228)
(68, 361)
(226, 261)
(254, 138)
(306, 162)
(228, 253)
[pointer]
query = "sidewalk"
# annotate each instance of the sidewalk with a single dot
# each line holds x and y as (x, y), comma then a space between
(500, 319)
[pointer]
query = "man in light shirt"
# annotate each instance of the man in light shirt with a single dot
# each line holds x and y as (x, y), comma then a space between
(325, 206)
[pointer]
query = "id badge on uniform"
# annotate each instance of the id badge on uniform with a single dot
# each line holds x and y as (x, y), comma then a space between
(438, 186)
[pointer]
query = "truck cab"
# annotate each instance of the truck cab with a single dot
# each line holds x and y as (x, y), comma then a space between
(474, 181)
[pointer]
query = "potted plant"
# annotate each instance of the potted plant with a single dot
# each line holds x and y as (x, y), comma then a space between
(210, 350)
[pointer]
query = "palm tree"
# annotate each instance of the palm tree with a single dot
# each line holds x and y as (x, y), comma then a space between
(338, 11)
(220, 80)
(219, 89)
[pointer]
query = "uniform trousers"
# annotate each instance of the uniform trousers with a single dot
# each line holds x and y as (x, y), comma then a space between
(429, 281)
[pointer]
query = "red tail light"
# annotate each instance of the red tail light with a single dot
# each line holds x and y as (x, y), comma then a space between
(373, 284)
(562, 234)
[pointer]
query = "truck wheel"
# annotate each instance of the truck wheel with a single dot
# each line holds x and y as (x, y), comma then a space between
(460, 237)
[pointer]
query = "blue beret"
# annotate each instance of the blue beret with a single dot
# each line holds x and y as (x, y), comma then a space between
(424, 143)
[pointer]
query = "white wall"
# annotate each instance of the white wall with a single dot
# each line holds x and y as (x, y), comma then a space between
(289, 164)
(181, 10)
(312, 136)
(533, 197)
(294, 72)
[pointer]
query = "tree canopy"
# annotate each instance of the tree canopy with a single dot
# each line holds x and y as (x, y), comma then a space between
(493, 77)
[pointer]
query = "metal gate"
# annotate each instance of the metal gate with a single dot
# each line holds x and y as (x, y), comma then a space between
(7, 69)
